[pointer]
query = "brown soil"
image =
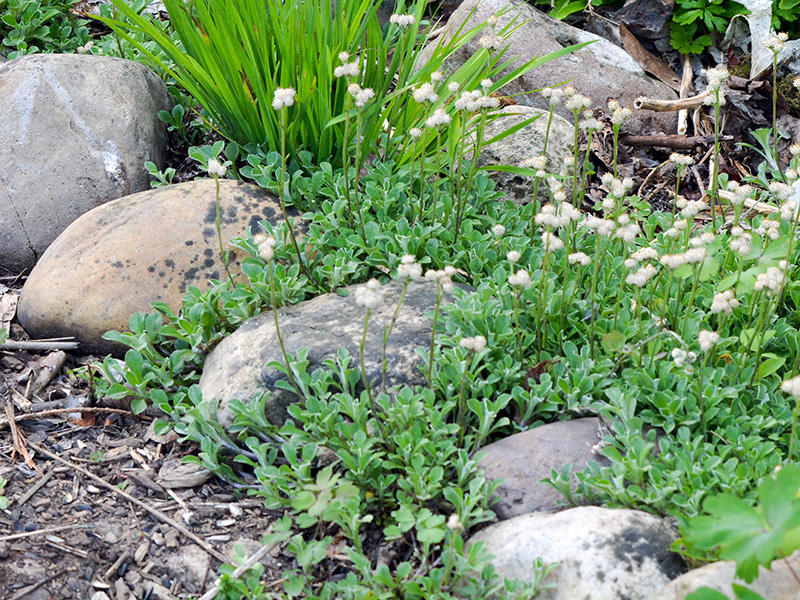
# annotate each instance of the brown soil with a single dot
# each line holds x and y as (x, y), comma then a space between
(65, 535)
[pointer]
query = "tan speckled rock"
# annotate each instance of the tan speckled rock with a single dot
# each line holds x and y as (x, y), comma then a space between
(120, 257)
(777, 583)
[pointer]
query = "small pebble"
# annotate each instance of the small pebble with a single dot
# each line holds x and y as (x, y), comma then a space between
(4, 550)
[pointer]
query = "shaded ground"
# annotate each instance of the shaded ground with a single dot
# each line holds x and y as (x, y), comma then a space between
(66, 535)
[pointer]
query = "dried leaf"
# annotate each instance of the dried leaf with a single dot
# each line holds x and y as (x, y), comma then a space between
(650, 63)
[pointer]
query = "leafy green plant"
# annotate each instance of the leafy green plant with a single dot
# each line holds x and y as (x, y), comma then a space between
(3, 499)
(29, 26)
(752, 535)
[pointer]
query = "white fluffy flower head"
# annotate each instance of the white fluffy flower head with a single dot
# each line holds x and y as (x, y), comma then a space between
(284, 97)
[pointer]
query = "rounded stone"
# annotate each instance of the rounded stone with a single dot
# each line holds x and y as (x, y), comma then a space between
(77, 130)
(126, 254)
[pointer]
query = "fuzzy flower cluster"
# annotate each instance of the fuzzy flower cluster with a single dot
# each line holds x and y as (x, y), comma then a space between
(707, 339)
(551, 242)
(602, 227)
(619, 114)
(781, 190)
(476, 344)
(690, 208)
(551, 216)
(370, 295)
(538, 163)
(641, 276)
(346, 69)
(425, 93)
(438, 118)
(716, 78)
(513, 256)
(741, 242)
(492, 42)
(775, 42)
(580, 258)
(616, 187)
(521, 279)
(773, 279)
(360, 95)
(409, 268)
(265, 245)
(474, 101)
(681, 160)
(741, 193)
(769, 228)
(216, 168)
(678, 227)
(789, 209)
(627, 230)
(646, 253)
(442, 278)
(589, 123)
(724, 302)
(681, 357)
(577, 102)
(690, 257)
(792, 386)
(402, 21)
(553, 95)
(499, 230)
(284, 97)
(704, 239)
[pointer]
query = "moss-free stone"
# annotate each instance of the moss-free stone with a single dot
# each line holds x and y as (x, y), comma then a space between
(124, 255)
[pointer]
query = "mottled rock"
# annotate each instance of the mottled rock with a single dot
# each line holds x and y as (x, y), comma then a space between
(522, 460)
(523, 144)
(77, 130)
(777, 583)
(124, 255)
(190, 565)
(237, 367)
(600, 70)
(603, 553)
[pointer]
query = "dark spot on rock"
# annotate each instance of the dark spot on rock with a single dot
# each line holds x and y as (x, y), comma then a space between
(211, 214)
(208, 263)
(636, 544)
(601, 576)
(117, 265)
(213, 275)
(189, 242)
(208, 252)
(169, 263)
(166, 285)
(191, 273)
(208, 232)
(254, 226)
(162, 274)
(231, 214)
(151, 269)
(269, 213)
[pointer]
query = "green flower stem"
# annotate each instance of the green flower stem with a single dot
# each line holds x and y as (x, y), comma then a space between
(274, 299)
(346, 162)
(462, 400)
(692, 296)
(223, 254)
(289, 224)
(387, 332)
(358, 176)
(365, 377)
(592, 291)
(715, 163)
(793, 435)
(439, 296)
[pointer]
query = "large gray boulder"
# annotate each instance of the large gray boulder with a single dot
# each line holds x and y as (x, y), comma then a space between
(522, 460)
(603, 553)
(126, 254)
(237, 367)
(523, 144)
(601, 70)
(77, 130)
(777, 583)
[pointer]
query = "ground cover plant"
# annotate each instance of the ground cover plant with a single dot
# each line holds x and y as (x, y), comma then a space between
(679, 328)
